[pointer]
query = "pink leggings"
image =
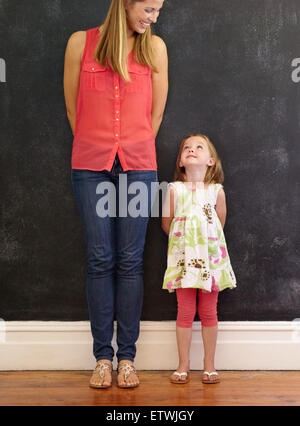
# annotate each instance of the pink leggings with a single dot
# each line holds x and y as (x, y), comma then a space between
(207, 307)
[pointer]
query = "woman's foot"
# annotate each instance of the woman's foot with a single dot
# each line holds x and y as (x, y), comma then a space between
(127, 376)
(101, 378)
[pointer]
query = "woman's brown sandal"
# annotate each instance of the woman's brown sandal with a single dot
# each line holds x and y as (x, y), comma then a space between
(100, 368)
(128, 369)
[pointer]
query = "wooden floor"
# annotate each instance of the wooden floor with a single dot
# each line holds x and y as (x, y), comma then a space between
(71, 388)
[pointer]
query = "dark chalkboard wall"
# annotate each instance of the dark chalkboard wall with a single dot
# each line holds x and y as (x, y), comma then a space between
(230, 69)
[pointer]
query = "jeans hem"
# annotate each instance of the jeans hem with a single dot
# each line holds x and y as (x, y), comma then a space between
(108, 358)
(126, 359)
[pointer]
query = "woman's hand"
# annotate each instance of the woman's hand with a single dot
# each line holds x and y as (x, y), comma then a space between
(73, 55)
(160, 83)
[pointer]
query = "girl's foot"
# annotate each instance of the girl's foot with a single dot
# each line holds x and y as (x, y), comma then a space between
(210, 377)
(181, 375)
(101, 378)
(127, 376)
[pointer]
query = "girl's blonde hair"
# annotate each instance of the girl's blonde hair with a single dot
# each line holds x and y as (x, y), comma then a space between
(214, 173)
(112, 46)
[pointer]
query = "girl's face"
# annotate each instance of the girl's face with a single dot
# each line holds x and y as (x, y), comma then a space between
(142, 14)
(196, 152)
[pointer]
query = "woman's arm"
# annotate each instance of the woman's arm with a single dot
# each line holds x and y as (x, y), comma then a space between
(221, 206)
(159, 82)
(73, 55)
(168, 210)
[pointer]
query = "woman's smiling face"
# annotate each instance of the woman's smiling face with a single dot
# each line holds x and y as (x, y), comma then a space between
(141, 14)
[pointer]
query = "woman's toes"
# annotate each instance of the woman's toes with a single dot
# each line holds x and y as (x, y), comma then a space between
(97, 380)
(121, 380)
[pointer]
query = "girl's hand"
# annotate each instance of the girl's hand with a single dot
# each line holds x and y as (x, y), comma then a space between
(221, 206)
(168, 210)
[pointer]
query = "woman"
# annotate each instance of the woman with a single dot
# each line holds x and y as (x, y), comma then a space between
(115, 84)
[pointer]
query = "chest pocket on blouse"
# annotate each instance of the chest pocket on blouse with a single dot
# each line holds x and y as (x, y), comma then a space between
(94, 76)
(139, 75)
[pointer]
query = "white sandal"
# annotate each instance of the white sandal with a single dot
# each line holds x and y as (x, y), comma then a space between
(180, 380)
(208, 381)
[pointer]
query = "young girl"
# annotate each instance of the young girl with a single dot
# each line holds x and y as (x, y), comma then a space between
(194, 214)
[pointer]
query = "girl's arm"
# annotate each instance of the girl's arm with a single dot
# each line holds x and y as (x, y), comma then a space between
(159, 82)
(221, 206)
(168, 210)
(73, 55)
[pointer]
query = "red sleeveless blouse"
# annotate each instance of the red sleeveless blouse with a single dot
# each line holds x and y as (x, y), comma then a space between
(113, 116)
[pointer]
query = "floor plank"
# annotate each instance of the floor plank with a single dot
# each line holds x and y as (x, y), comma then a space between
(254, 388)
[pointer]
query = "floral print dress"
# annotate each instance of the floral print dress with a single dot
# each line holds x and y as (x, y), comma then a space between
(197, 251)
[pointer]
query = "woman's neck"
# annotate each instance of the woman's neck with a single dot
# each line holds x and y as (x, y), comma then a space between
(130, 39)
(130, 33)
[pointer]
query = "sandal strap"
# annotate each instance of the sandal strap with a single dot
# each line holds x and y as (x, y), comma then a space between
(101, 367)
(127, 368)
(213, 373)
(180, 374)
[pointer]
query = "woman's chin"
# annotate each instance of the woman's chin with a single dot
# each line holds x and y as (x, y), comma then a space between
(140, 30)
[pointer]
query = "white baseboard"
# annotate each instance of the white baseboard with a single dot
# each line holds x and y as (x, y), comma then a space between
(242, 345)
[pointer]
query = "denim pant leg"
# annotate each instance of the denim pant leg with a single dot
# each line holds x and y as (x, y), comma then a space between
(100, 242)
(131, 233)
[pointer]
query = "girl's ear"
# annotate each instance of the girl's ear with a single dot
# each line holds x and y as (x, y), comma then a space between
(211, 161)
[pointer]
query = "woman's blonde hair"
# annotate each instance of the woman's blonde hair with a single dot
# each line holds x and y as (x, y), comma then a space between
(112, 46)
(214, 173)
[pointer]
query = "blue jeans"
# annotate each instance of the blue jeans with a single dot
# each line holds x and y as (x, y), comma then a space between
(115, 248)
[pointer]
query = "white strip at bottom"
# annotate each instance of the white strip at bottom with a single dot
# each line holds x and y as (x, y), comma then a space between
(241, 345)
